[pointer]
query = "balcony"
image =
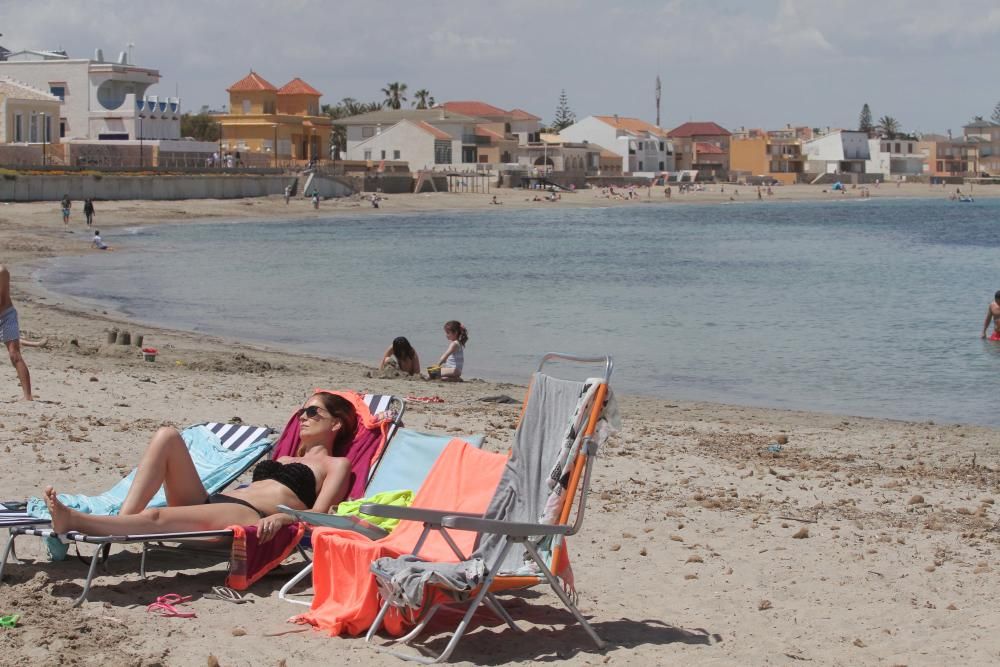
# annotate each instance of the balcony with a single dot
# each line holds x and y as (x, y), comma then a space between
(475, 140)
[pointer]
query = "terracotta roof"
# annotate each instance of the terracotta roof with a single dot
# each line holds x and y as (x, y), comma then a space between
(298, 87)
(484, 132)
(474, 108)
(632, 125)
(704, 129)
(705, 148)
(427, 127)
(521, 114)
(251, 81)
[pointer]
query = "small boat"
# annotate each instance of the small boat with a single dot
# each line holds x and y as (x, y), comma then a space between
(966, 198)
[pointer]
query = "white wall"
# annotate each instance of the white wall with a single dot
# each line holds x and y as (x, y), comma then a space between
(415, 145)
(73, 73)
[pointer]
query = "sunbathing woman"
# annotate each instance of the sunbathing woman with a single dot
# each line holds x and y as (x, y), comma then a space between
(401, 355)
(311, 480)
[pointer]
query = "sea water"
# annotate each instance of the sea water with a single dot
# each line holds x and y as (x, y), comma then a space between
(864, 307)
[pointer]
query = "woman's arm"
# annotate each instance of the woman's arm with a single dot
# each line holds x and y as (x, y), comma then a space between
(986, 324)
(447, 353)
(269, 526)
(338, 471)
(385, 357)
(416, 360)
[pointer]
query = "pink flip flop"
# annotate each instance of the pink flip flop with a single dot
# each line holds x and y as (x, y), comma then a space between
(165, 606)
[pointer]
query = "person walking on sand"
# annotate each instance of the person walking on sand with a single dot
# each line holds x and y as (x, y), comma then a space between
(993, 314)
(10, 334)
(66, 206)
(88, 210)
(288, 194)
(453, 359)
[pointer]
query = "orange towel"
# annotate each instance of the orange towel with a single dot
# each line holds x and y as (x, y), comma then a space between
(463, 479)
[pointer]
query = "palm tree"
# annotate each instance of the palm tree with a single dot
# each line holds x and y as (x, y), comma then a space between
(422, 99)
(888, 126)
(394, 94)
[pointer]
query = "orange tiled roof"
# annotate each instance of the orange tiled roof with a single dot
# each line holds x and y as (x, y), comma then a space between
(252, 81)
(632, 125)
(298, 87)
(438, 134)
(703, 129)
(521, 114)
(474, 108)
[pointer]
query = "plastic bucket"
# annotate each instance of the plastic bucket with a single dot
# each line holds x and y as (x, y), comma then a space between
(149, 353)
(434, 372)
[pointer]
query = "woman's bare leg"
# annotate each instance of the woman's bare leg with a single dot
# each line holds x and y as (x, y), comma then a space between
(165, 463)
(161, 520)
(451, 374)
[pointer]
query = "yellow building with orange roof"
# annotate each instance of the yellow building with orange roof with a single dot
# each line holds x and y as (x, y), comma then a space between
(277, 125)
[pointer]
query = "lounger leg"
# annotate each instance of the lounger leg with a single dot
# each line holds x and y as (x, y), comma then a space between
(142, 561)
(306, 571)
(86, 584)
(493, 603)
(8, 550)
(601, 644)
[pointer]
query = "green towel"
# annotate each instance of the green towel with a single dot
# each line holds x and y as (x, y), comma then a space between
(399, 498)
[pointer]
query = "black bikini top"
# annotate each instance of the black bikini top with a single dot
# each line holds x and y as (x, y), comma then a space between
(296, 476)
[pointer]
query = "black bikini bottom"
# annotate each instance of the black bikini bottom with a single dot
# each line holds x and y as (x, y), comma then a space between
(222, 498)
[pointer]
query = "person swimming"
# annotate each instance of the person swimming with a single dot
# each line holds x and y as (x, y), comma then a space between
(313, 479)
(992, 314)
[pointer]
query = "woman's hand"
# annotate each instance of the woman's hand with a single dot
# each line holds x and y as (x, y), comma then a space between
(269, 526)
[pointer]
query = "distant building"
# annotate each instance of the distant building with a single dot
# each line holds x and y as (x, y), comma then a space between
(837, 152)
(894, 158)
(459, 135)
(642, 147)
(987, 135)
(100, 100)
(773, 154)
(703, 147)
(948, 157)
(266, 123)
(26, 114)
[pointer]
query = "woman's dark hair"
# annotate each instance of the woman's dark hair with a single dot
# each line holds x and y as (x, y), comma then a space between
(342, 409)
(402, 349)
(455, 327)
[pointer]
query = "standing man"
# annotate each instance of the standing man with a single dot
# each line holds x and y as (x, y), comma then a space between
(88, 210)
(993, 313)
(10, 334)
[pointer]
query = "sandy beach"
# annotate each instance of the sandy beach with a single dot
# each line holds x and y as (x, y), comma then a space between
(859, 542)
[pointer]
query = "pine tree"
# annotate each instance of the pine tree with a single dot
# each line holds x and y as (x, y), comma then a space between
(865, 120)
(564, 115)
(996, 113)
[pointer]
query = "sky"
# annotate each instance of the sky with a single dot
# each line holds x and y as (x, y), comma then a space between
(753, 63)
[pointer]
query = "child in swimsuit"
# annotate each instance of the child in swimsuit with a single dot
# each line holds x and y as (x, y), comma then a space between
(313, 479)
(453, 359)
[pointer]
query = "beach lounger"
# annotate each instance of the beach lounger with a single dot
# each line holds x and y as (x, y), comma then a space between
(221, 453)
(390, 409)
(521, 536)
(407, 460)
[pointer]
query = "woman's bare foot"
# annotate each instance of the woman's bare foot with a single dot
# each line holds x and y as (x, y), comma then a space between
(62, 516)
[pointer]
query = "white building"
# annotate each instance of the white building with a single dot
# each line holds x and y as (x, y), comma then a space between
(26, 113)
(837, 152)
(425, 138)
(101, 100)
(643, 147)
(894, 158)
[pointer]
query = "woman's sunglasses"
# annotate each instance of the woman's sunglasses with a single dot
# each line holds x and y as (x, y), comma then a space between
(311, 411)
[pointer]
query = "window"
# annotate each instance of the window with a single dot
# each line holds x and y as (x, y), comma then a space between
(246, 106)
(268, 107)
(395, 155)
(909, 148)
(661, 165)
(368, 131)
(897, 147)
(368, 155)
(640, 165)
(442, 151)
(47, 129)
(383, 155)
(62, 128)
(18, 128)
(33, 129)
(661, 150)
(640, 145)
(59, 91)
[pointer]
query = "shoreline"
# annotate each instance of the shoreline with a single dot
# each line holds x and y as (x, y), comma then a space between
(688, 499)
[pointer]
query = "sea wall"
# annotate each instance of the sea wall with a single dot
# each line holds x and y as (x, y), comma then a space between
(51, 187)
